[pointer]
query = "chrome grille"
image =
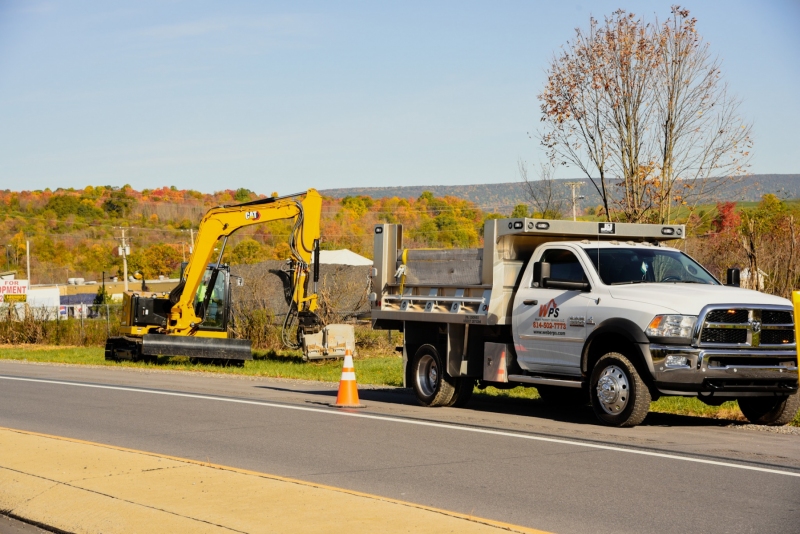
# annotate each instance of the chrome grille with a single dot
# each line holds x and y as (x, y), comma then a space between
(724, 335)
(738, 326)
(776, 317)
(777, 337)
(727, 316)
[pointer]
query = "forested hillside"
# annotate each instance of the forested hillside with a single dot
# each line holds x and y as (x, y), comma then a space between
(75, 233)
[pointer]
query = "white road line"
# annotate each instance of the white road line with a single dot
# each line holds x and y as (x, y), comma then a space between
(447, 426)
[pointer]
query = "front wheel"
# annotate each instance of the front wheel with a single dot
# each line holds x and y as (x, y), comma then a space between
(431, 382)
(770, 410)
(619, 395)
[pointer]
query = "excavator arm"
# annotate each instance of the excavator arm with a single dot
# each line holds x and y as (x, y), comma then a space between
(220, 223)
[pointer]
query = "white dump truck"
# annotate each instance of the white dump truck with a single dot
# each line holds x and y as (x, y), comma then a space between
(586, 312)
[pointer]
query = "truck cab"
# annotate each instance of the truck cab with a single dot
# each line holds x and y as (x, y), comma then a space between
(600, 313)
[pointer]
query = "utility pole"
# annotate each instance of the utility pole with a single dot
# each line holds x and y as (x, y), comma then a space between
(124, 253)
(574, 186)
(191, 242)
(28, 254)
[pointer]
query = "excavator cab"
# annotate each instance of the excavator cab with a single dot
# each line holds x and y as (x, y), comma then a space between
(212, 301)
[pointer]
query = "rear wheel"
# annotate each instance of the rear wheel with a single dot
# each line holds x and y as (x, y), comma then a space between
(770, 410)
(431, 382)
(619, 395)
(463, 392)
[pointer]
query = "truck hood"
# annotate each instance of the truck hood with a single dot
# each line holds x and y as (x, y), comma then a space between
(689, 299)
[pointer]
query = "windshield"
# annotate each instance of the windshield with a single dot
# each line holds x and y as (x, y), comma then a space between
(644, 265)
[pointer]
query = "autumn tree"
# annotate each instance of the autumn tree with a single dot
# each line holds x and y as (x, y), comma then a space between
(641, 109)
(247, 250)
(520, 211)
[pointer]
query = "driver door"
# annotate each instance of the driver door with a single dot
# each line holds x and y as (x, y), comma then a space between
(549, 324)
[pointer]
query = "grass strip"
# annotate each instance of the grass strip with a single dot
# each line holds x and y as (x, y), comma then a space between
(377, 370)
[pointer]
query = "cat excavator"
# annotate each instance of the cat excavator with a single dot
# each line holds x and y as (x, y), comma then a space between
(192, 320)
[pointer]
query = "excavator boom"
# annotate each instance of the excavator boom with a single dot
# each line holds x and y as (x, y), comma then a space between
(220, 223)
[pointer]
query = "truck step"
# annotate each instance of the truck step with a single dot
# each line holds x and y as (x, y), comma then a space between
(545, 381)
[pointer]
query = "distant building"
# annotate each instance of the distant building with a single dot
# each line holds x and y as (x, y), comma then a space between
(342, 257)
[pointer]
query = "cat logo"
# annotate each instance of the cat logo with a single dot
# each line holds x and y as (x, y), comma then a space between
(252, 215)
(549, 310)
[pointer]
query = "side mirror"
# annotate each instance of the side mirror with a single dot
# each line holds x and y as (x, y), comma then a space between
(239, 281)
(541, 272)
(541, 278)
(733, 278)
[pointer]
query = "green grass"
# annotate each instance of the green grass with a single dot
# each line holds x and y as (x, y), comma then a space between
(377, 370)
(380, 370)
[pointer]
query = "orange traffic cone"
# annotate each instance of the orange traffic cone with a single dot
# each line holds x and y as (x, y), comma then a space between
(348, 390)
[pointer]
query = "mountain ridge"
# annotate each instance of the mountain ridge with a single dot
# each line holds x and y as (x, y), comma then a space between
(504, 196)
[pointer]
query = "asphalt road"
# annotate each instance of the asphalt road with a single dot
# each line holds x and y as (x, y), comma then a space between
(514, 461)
(10, 525)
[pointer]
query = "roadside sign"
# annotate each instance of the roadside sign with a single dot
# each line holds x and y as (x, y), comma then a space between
(13, 291)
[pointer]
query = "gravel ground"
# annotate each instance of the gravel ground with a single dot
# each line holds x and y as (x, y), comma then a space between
(795, 430)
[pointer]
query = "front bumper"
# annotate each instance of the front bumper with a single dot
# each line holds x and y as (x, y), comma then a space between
(723, 372)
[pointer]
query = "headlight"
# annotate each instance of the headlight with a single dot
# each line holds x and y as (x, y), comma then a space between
(671, 326)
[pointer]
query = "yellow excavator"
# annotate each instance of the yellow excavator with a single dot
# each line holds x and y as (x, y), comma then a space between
(192, 320)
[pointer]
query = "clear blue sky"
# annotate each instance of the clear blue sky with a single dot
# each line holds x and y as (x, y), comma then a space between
(282, 96)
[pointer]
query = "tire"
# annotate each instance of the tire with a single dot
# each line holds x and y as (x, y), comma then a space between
(463, 392)
(771, 411)
(619, 395)
(561, 396)
(431, 383)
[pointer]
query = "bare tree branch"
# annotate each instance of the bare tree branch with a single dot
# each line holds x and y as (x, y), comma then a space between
(543, 192)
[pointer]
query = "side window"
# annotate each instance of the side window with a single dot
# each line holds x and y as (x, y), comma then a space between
(564, 265)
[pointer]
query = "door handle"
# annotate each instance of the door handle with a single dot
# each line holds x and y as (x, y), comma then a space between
(530, 302)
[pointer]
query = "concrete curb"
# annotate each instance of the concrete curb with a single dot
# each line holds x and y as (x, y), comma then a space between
(79, 486)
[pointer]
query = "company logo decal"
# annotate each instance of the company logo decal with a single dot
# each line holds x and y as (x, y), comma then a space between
(252, 215)
(549, 310)
(547, 323)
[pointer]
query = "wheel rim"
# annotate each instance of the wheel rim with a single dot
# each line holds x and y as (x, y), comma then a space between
(427, 375)
(613, 390)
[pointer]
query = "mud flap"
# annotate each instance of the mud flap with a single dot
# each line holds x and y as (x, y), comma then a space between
(196, 347)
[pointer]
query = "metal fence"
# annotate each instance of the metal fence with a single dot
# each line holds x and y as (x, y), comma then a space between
(73, 324)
